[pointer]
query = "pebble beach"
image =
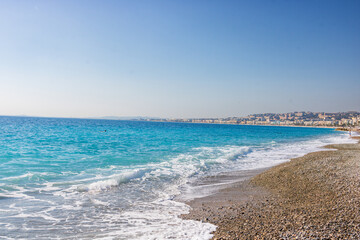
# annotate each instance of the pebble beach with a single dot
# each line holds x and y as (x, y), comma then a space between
(316, 196)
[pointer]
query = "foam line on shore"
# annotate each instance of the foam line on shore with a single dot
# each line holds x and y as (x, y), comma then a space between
(313, 196)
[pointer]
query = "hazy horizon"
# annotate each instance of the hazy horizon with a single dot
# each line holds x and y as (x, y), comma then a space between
(178, 59)
(155, 117)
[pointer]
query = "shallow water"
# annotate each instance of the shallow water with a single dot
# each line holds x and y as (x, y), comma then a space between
(71, 179)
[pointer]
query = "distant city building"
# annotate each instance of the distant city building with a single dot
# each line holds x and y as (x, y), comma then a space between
(342, 119)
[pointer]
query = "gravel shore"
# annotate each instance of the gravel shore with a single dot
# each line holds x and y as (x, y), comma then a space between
(316, 196)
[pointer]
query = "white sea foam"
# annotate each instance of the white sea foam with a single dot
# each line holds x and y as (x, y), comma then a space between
(34, 176)
(118, 202)
(145, 220)
(112, 181)
(26, 175)
(259, 158)
(159, 220)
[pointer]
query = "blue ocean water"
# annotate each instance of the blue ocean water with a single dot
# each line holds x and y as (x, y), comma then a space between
(107, 179)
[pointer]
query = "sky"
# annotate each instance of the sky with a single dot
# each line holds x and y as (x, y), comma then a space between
(178, 58)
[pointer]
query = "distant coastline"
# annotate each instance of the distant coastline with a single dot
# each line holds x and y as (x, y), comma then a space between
(292, 119)
(262, 125)
(344, 120)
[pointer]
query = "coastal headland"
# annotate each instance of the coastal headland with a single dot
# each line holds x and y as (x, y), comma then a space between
(316, 196)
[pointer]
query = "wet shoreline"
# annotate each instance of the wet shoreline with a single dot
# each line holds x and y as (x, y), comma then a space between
(314, 196)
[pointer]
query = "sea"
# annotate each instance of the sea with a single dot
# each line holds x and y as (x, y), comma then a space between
(111, 179)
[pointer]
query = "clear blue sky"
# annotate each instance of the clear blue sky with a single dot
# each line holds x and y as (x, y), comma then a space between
(178, 58)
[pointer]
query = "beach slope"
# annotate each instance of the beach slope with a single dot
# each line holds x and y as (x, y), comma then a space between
(316, 196)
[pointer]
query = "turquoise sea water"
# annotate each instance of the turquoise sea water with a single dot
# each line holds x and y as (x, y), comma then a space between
(106, 179)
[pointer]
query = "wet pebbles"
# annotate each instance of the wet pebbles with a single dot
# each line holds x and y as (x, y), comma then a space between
(312, 197)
